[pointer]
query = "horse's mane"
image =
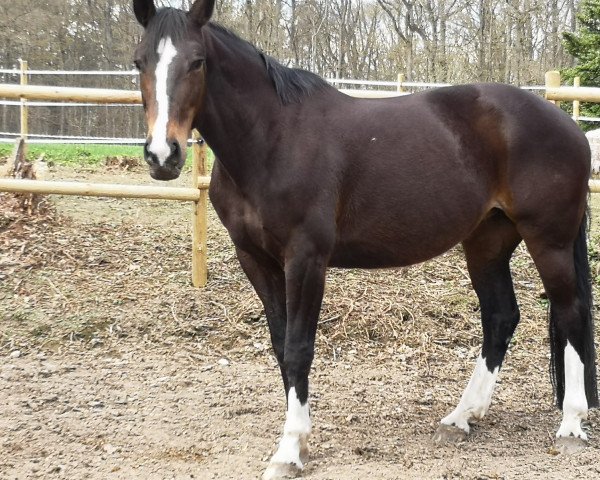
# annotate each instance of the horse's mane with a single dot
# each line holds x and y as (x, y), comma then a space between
(291, 84)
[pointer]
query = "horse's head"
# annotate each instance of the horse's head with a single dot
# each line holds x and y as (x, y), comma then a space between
(171, 61)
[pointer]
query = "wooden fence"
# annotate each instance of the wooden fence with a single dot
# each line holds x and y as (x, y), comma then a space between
(198, 192)
(556, 93)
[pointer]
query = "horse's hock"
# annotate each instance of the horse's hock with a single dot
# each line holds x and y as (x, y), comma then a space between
(593, 137)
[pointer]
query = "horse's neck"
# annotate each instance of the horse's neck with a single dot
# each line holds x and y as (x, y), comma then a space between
(239, 106)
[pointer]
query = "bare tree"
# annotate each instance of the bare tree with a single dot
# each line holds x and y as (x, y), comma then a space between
(513, 41)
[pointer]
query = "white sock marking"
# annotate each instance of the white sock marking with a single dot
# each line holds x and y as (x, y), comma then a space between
(575, 405)
(476, 398)
(159, 146)
(295, 432)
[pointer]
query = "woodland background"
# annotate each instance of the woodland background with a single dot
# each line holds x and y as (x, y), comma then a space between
(455, 41)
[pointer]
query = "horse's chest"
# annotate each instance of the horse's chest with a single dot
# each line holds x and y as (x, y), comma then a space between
(247, 226)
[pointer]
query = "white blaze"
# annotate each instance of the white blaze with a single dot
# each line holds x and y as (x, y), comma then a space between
(159, 146)
(575, 405)
(476, 398)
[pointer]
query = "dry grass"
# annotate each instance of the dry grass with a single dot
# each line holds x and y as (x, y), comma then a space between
(96, 270)
(92, 285)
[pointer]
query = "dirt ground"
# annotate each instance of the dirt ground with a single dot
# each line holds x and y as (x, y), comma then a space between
(114, 367)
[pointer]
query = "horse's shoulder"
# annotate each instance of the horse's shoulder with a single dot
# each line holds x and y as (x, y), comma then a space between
(225, 195)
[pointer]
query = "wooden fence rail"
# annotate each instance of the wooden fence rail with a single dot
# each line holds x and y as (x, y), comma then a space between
(69, 94)
(200, 181)
(576, 94)
(104, 189)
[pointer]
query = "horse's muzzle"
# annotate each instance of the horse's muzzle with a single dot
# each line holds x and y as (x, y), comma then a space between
(169, 168)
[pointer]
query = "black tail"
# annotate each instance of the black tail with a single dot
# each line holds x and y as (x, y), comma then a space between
(584, 294)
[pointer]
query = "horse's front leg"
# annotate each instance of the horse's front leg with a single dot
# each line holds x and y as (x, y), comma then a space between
(305, 280)
(268, 280)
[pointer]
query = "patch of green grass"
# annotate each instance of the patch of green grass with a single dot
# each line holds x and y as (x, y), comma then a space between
(84, 155)
(68, 154)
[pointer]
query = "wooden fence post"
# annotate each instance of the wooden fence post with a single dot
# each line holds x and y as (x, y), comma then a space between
(401, 79)
(553, 81)
(24, 81)
(199, 213)
(576, 103)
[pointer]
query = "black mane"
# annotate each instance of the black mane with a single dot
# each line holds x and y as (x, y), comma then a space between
(291, 84)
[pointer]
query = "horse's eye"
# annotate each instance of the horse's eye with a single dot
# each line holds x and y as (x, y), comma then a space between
(138, 65)
(196, 64)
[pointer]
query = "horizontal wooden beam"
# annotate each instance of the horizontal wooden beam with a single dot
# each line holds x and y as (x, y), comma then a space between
(104, 189)
(372, 93)
(594, 186)
(70, 94)
(203, 181)
(571, 94)
(101, 95)
(127, 191)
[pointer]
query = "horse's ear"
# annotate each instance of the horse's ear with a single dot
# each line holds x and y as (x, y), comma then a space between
(201, 11)
(144, 11)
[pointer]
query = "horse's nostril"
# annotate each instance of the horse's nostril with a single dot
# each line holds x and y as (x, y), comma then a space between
(175, 148)
(150, 157)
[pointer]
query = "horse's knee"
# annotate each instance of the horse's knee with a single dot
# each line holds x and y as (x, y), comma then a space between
(298, 359)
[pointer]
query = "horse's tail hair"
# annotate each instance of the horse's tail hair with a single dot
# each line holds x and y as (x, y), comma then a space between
(584, 295)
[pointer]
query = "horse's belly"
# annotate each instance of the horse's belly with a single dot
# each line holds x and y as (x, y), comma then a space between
(357, 255)
(372, 254)
(392, 237)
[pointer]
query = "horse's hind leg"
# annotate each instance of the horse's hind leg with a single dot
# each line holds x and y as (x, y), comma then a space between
(488, 251)
(563, 266)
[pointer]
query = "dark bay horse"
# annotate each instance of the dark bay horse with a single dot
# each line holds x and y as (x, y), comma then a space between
(307, 178)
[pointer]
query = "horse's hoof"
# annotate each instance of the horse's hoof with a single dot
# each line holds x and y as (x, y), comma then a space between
(276, 471)
(446, 434)
(569, 445)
